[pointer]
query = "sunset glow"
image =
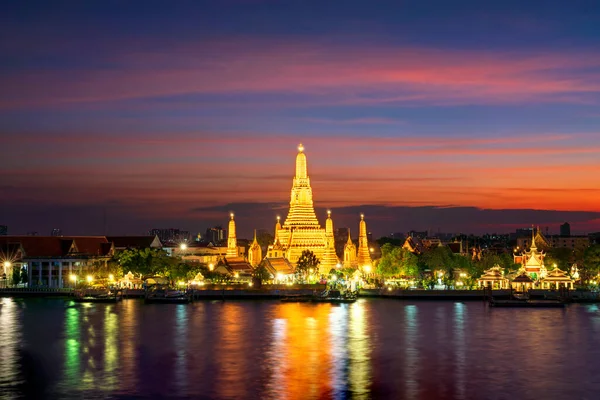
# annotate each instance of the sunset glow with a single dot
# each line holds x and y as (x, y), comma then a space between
(171, 124)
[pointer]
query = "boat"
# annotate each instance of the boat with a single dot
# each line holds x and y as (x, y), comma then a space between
(335, 297)
(166, 296)
(95, 297)
(527, 303)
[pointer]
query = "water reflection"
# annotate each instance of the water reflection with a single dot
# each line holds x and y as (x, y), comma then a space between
(359, 347)
(411, 352)
(230, 348)
(72, 346)
(338, 339)
(460, 354)
(10, 337)
(181, 345)
(256, 350)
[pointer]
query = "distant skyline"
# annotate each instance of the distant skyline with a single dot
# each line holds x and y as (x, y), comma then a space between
(170, 116)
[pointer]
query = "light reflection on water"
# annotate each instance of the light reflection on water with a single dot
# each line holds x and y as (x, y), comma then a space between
(266, 349)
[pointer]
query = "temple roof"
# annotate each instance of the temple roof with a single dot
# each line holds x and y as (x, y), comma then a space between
(493, 274)
(135, 242)
(557, 275)
(279, 265)
(238, 264)
(523, 278)
(60, 246)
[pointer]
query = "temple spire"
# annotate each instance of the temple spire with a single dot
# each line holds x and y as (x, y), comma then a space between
(301, 172)
(277, 228)
(330, 259)
(533, 246)
(232, 249)
(364, 255)
(302, 212)
(255, 252)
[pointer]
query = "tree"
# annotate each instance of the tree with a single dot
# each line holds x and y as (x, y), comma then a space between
(147, 262)
(262, 273)
(24, 275)
(439, 258)
(16, 275)
(389, 264)
(561, 256)
(308, 261)
(591, 263)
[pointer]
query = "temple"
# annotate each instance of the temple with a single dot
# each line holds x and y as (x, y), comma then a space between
(233, 264)
(301, 230)
(254, 252)
(532, 261)
(232, 249)
(364, 254)
(350, 253)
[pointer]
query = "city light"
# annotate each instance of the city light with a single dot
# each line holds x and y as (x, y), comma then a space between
(89, 278)
(73, 278)
(211, 267)
(183, 246)
(279, 276)
(367, 268)
(111, 277)
(338, 265)
(7, 264)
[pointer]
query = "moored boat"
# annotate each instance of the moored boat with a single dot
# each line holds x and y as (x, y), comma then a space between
(335, 296)
(166, 296)
(96, 297)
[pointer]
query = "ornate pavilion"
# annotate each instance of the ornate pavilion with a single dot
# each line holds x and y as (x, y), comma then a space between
(532, 261)
(494, 278)
(556, 279)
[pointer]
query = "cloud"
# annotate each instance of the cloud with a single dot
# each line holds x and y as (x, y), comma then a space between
(332, 73)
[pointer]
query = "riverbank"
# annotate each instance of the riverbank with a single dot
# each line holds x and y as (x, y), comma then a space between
(275, 292)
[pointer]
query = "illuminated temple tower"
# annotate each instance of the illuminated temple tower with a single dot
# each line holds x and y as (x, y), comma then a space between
(232, 249)
(330, 259)
(254, 252)
(301, 229)
(364, 255)
(350, 253)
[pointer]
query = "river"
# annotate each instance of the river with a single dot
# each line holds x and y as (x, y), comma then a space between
(374, 348)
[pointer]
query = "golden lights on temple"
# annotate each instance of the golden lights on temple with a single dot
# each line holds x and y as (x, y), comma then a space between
(302, 231)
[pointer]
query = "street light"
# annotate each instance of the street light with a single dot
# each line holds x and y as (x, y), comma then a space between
(73, 278)
(111, 277)
(89, 278)
(7, 264)
(183, 247)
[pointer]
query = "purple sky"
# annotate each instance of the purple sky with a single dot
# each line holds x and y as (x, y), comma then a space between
(459, 116)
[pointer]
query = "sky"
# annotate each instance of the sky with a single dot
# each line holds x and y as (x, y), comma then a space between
(464, 116)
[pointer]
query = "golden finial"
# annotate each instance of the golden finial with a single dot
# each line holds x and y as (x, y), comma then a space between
(362, 216)
(300, 148)
(278, 218)
(329, 213)
(231, 215)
